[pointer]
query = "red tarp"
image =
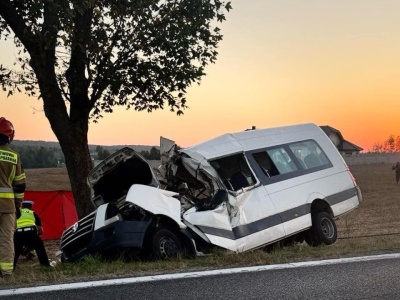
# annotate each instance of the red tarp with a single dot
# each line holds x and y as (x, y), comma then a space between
(56, 209)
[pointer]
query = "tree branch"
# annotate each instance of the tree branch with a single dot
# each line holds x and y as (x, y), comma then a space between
(75, 75)
(18, 26)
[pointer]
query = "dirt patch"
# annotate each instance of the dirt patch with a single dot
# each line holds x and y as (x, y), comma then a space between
(378, 212)
(52, 179)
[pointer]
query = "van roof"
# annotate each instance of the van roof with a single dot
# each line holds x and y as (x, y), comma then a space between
(230, 143)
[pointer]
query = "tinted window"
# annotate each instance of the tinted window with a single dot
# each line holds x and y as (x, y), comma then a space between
(287, 161)
(309, 154)
(275, 161)
(282, 160)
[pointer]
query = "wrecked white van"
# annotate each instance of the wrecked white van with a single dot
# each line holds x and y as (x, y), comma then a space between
(238, 191)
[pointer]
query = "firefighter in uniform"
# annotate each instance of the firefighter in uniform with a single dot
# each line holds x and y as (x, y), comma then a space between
(29, 229)
(12, 187)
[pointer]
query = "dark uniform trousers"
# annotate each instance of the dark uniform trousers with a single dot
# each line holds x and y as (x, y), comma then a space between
(28, 236)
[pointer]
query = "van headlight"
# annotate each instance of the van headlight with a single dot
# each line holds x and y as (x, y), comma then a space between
(132, 212)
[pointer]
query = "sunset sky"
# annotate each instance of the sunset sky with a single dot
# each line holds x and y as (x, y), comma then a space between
(330, 62)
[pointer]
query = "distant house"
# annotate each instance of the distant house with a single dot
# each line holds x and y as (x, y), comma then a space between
(344, 147)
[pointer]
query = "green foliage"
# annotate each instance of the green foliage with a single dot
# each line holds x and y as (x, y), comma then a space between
(33, 157)
(84, 57)
(154, 154)
(140, 54)
(39, 154)
(101, 153)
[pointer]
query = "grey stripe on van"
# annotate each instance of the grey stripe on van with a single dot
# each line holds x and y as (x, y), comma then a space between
(342, 196)
(268, 222)
(244, 230)
(296, 212)
(228, 234)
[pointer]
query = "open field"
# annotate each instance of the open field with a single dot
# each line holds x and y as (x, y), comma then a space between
(373, 228)
(52, 179)
(377, 215)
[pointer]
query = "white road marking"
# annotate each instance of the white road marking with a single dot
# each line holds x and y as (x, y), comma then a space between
(90, 284)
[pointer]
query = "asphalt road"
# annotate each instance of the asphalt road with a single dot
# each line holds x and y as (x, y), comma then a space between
(375, 279)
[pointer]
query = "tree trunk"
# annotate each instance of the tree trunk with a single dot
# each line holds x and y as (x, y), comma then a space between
(78, 162)
(72, 136)
(74, 144)
(71, 131)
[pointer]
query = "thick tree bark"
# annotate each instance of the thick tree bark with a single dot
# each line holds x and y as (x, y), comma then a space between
(70, 129)
(78, 164)
(74, 144)
(71, 134)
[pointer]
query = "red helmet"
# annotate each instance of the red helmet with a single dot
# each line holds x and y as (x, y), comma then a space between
(7, 128)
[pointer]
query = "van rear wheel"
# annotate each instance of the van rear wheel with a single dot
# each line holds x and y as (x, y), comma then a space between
(323, 230)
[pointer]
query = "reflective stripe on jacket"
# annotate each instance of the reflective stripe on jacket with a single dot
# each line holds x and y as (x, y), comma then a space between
(7, 193)
(12, 180)
(27, 218)
(6, 266)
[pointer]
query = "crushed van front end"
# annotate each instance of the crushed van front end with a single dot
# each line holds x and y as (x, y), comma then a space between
(106, 231)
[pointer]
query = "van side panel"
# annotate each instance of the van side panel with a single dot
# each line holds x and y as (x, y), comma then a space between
(345, 207)
(252, 221)
(259, 238)
(293, 194)
(297, 224)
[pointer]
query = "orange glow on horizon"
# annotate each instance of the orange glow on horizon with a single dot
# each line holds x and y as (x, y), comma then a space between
(281, 62)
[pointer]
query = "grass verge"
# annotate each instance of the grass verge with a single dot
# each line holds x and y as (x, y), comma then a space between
(92, 268)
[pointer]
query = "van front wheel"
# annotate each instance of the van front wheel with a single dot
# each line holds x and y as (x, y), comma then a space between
(165, 244)
(323, 230)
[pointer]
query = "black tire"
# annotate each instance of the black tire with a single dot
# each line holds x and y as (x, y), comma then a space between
(323, 230)
(165, 245)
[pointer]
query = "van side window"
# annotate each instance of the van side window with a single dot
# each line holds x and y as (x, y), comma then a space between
(282, 160)
(234, 172)
(264, 161)
(309, 154)
(274, 162)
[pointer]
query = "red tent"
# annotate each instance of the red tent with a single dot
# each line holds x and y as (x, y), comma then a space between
(56, 209)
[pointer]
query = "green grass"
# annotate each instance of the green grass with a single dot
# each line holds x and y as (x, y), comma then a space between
(93, 268)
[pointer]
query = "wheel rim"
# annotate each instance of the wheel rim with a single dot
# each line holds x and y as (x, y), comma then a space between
(327, 228)
(168, 248)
